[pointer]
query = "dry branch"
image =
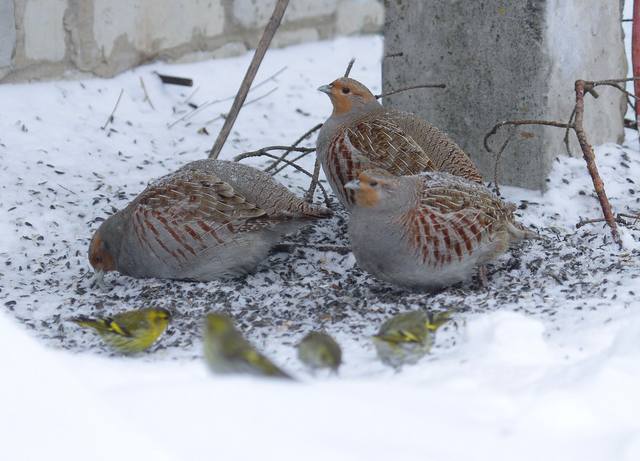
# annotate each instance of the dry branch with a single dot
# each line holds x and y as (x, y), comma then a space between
(349, 66)
(146, 94)
(113, 112)
(264, 152)
(314, 181)
(263, 45)
(576, 124)
(295, 144)
(415, 87)
(587, 151)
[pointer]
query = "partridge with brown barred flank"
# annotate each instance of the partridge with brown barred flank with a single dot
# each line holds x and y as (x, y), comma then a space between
(211, 219)
(362, 134)
(427, 231)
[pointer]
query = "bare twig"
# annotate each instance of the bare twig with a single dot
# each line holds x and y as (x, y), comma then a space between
(314, 182)
(619, 219)
(264, 153)
(400, 90)
(263, 45)
(568, 130)
(589, 157)
(632, 124)
(394, 55)
(304, 154)
(205, 105)
(349, 66)
(576, 123)
(110, 119)
(258, 98)
(146, 95)
(264, 150)
(497, 162)
(499, 125)
(295, 144)
(269, 78)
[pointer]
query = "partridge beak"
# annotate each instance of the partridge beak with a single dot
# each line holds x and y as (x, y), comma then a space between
(325, 89)
(353, 184)
(98, 278)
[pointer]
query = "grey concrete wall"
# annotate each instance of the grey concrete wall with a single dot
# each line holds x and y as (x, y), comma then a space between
(505, 60)
(7, 36)
(56, 38)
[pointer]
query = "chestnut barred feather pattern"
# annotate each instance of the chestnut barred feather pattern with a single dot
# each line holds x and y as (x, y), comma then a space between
(211, 219)
(372, 142)
(445, 154)
(453, 218)
(186, 213)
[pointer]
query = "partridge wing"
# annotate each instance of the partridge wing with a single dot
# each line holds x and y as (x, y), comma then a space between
(184, 214)
(382, 142)
(453, 219)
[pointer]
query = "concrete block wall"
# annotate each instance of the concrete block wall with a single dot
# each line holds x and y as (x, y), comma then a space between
(41, 39)
(507, 60)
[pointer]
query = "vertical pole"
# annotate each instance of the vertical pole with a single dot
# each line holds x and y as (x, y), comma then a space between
(635, 53)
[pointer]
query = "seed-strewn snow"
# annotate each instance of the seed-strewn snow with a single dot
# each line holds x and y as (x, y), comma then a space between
(544, 364)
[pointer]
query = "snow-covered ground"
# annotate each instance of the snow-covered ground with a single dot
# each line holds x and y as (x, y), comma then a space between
(544, 364)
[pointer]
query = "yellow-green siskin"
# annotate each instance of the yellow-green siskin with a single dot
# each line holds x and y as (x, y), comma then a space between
(406, 338)
(228, 352)
(318, 350)
(129, 332)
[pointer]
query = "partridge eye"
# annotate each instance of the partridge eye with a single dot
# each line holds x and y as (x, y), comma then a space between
(373, 183)
(346, 90)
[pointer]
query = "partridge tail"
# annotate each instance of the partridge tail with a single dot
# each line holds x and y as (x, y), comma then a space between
(314, 211)
(518, 232)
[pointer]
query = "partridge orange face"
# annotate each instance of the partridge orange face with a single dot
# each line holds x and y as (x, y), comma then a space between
(347, 93)
(99, 257)
(367, 189)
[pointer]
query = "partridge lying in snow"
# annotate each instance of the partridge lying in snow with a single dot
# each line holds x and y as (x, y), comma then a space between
(362, 134)
(211, 219)
(427, 231)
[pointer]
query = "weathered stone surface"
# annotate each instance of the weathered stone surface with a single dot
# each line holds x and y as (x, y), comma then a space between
(505, 60)
(256, 13)
(293, 37)
(7, 35)
(56, 38)
(356, 16)
(152, 25)
(45, 19)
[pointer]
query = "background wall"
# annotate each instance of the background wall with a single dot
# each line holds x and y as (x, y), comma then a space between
(42, 39)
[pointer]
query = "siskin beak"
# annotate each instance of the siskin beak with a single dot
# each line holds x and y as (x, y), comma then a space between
(353, 185)
(325, 89)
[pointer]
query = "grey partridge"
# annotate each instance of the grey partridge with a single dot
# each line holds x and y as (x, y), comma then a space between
(362, 134)
(211, 219)
(427, 231)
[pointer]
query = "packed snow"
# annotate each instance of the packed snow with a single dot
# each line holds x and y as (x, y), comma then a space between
(542, 364)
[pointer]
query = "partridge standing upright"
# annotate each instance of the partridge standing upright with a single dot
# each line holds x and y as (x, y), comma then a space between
(211, 219)
(362, 134)
(427, 231)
